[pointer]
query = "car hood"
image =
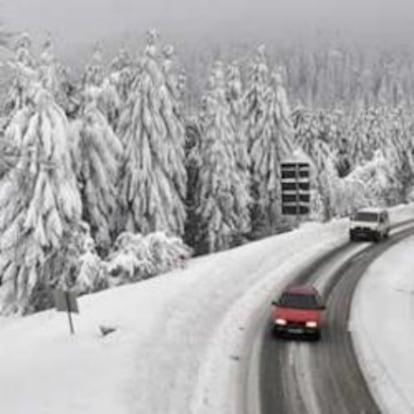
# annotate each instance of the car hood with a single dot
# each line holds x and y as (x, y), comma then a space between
(297, 315)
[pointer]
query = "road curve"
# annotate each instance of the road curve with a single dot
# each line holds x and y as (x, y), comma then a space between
(324, 377)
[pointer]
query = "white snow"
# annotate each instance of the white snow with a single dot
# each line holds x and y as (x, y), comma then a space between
(382, 323)
(180, 342)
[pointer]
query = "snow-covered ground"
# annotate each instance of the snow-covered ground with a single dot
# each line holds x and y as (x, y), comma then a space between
(382, 324)
(180, 338)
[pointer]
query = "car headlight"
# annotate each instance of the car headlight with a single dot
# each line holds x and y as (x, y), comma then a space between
(311, 324)
(280, 322)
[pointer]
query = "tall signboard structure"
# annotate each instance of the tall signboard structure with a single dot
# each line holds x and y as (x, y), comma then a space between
(295, 188)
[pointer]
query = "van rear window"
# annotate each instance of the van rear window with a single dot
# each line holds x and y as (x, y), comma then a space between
(294, 300)
(365, 216)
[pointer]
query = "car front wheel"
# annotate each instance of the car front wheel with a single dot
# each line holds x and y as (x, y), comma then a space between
(316, 336)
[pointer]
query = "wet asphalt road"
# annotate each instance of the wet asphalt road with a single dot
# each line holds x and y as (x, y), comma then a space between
(298, 377)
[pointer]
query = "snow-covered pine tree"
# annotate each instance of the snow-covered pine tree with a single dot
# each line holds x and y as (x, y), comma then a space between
(49, 75)
(270, 138)
(401, 130)
(219, 183)
(387, 130)
(366, 185)
(192, 165)
(123, 71)
(90, 273)
(314, 133)
(109, 102)
(234, 95)
(40, 204)
(94, 72)
(97, 155)
(24, 71)
(153, 177)
(54, 77)
(23, 66)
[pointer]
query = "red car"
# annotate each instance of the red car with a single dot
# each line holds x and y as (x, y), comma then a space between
(298, 312)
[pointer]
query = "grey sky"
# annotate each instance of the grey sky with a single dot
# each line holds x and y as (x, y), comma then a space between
(83, 21)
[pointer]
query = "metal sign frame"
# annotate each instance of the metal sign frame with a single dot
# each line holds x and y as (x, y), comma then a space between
(295, 186)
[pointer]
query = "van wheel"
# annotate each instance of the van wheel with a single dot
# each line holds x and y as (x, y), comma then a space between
(376, 237)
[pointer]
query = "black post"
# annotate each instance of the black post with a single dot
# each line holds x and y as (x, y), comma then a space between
(72, 330)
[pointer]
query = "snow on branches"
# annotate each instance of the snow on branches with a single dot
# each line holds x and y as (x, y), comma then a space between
(124, 167)
(135, 256)
(97, 155)
(40, 202)
(270, 136)
(222, 195)
(153, 176)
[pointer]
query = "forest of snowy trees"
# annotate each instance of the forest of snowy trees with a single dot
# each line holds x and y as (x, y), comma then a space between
(124, 172)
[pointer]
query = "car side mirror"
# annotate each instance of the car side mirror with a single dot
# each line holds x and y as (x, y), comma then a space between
(322, 307)
(275, 303)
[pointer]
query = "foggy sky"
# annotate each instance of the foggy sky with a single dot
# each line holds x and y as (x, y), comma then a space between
(74, 22)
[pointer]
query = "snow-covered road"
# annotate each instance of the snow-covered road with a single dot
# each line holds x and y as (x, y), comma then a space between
(180, 341)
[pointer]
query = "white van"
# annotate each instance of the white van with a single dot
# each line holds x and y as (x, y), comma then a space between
(369, 223)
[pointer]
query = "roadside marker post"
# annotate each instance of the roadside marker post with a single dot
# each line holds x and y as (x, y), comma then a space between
(66, 301)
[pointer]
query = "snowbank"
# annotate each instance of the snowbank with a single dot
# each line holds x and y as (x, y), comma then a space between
(159, 358)
(382, 324)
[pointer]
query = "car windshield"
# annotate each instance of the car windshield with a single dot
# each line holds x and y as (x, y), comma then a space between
(365, 216)
(294, 300)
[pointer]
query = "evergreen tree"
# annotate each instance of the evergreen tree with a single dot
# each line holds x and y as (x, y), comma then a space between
(192, 165)
(39, 205)
(153, 179)
(220, 186)
(108, 100)
(54, 78)
(97, 151)
(313, 134)
(366, 185)
(270, 137)
(94, 73)
(234, 94)
(24, 69)
(123, 73)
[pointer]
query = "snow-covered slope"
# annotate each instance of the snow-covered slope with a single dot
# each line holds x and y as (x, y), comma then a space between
(178, 341)
(383, 328)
